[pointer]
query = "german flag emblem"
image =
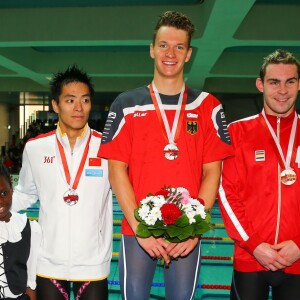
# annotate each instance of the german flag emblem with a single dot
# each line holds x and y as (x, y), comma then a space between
(192, 127)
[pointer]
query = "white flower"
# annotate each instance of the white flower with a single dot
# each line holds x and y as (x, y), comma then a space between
(156, 213)
(198, 207)
(182, 190)
(172, 190)
(144, 211)
(200, 211)
(147, 200)
(158, 200)
(195, 202)
(187, 207)
(191, 215)
(150, 220)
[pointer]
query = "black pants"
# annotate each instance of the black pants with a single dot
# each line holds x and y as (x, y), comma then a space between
(256, 285)
(47, 290)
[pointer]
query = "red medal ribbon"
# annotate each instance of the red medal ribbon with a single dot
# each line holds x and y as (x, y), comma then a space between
(65, 164)
(158, 112)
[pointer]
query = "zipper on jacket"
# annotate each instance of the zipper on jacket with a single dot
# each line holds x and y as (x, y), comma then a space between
(279, 188)
(69, 264)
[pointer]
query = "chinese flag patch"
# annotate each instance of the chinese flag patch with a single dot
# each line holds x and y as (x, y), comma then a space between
(94, 162)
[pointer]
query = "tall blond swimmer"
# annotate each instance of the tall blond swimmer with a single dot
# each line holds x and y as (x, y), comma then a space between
(163, 134)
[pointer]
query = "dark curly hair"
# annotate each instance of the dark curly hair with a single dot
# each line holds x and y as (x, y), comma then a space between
(177, 20)
(5, 174)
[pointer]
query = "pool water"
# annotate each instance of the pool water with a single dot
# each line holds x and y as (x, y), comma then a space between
(216, 264)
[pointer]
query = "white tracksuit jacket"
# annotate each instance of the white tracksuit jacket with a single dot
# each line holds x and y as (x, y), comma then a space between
(76, 240)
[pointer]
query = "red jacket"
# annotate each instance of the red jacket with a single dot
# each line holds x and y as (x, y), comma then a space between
(256, 207)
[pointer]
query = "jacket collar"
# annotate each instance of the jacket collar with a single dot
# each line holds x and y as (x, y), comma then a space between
(284, 121)
(80, 141)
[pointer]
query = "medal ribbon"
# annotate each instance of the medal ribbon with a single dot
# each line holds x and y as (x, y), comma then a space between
(286, 162)
(170, 135)
(65, 164)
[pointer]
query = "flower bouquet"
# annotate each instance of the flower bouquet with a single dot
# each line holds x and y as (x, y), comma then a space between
(173, 215)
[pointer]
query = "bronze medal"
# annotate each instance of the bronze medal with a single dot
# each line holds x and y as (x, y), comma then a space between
(288, 176)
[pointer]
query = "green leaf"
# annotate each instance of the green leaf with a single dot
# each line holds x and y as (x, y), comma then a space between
(160, 225)
(198, 219)
(142, 231)
(136, 214)
(157, 232)
(173, 231)
(202, 228)
(186, 232)
(208, 216)
(182, 221)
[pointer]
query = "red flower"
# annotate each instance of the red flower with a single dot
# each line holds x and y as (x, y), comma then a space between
(163, 193)
(170, 213)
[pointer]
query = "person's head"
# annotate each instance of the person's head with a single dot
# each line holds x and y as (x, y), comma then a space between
(71, 93)
(279, 56)
(71, 74)
(279, 82)
(170, 48)
(177, 20)
(5, 194)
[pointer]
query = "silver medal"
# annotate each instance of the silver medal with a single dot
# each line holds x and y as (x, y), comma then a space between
(71, 197)
(171, 151)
